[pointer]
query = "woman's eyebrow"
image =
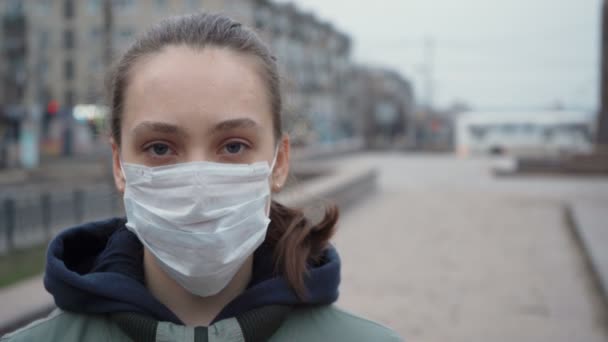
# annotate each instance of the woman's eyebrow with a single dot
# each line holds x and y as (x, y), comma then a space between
(234, 124)
(159, 127)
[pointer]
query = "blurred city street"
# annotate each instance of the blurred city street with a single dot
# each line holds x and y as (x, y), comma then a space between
(464, 151)
(446, 252)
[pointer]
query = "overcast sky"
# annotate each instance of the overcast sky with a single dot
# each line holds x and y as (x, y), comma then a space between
(506, 54)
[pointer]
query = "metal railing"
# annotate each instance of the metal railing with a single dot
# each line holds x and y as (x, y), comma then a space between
(30, 219)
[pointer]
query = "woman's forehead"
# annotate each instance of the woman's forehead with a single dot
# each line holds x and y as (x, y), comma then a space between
(210, 85)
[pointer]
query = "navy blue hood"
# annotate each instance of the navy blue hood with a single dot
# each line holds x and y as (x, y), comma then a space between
(98, 268)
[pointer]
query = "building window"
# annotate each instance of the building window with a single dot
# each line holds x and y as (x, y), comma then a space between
(194, 4)
(124, 35)
(68, 70)
(261, 17)
(44, 37)
(43, 67)
(94, 6)
(69, 97)
(161, 5)
(94, 34)
(68, 39)
(68, 9)
(14, 7)
(127, 34)
(123, 5)
(95, 65)
(43, 7)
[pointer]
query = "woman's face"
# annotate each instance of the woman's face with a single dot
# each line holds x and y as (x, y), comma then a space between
(183, 105)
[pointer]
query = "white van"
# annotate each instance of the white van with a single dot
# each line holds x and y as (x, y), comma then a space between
(523, 133)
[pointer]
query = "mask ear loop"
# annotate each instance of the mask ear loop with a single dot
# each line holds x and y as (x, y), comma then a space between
(274, 160)
(124, 176)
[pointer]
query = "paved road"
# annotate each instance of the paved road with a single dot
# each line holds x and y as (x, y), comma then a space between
(446, 252)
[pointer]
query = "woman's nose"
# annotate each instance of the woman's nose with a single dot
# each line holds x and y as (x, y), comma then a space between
(197, 154)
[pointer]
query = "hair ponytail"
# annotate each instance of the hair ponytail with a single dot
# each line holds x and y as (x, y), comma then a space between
(297, 242)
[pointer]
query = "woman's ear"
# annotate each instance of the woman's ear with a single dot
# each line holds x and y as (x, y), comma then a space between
(119, 178)
(281, 166)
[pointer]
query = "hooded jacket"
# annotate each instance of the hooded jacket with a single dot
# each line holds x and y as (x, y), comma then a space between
(95, 274)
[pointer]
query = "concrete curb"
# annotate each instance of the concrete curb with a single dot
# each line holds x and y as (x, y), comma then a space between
(316, 152)
(340, 186)
(589, 221)
(10, 177)
(23, 303)
(588, 165)
(25, 319)
(28, 300)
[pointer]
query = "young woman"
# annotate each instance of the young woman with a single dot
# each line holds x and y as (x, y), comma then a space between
(204, 253)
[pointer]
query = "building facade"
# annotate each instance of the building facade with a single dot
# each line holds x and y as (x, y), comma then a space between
(55, 54)
(381, 108)
(65, 43)
(313, 59)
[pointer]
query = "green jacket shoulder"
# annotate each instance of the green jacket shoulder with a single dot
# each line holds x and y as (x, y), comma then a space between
(67, 326)
(329, 323)
(320, 323)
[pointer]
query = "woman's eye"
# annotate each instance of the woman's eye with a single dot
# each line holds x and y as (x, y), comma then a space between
(234, 147)
(159, 149)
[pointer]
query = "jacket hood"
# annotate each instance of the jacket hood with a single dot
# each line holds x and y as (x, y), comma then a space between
(97, 268)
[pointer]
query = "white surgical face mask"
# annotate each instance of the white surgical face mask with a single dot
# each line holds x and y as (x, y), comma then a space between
(201, 220)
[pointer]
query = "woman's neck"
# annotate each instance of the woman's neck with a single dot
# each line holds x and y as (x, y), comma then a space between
(193, 310)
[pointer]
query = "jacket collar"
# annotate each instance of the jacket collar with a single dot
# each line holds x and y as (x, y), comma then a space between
(254, 325)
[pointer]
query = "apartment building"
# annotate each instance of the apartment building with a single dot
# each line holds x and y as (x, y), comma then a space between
(382, 107)
(65, 43)
(65, 48)
(313, 60)
(58, 51)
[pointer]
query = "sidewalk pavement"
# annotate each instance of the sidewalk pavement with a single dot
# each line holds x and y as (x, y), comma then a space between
(590, 222)
(445, 251)
(22, 303)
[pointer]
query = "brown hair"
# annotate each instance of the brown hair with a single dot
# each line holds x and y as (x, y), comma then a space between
(296, 241)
